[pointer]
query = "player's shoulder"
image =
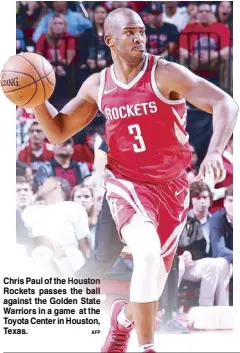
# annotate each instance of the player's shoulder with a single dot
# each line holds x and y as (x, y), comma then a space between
(167, 68)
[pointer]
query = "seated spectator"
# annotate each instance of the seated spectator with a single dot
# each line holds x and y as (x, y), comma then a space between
(175, 15)
(63, 166)
(204, 45)
(161, 37)
(37, 150)
(22, 169)
(195, 264)
(57, 46)
(221, 228)
(85, 196)
(59, 227)
(94, 53)
(20, 42)
(192, 10)
(219, 188)
(24, 193)
(76, 22)
(224, 13)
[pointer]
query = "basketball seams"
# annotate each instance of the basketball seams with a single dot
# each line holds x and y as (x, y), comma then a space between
(32, 95)
(18, 72)
(45, 73)
(36, 72)
(45, 76)
(34, 81)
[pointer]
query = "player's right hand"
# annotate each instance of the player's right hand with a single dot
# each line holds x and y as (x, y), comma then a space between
(212, 163)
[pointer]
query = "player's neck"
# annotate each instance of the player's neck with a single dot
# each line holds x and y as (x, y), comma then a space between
(126, 71)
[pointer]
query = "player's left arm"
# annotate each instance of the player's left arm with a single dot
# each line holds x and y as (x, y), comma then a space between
(208, 97)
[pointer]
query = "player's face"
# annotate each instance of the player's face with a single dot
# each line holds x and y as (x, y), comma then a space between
(84, 197)
(132, 40)
(228, 205)
(99, 15)
(204, 14)
(36, 135)
(201, 203)
(24, 195)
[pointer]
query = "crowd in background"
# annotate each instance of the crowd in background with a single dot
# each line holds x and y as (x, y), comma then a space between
(70, 35)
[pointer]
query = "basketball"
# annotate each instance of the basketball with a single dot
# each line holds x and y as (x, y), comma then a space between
(27, 79)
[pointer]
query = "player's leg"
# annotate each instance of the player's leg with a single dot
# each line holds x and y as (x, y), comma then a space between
(148, 278)
(107, 248)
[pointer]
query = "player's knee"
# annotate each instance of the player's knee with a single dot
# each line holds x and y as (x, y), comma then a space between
(147, 254)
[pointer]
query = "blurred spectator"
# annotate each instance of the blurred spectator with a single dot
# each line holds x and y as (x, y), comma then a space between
(94, 53)
(59, 227)
(57, 46)
(195, 264)
(62, 166)
(175, 15)
(85, 196)
(22, 169)
(191, 169)
(161, 37)
(205, 45)
(192, 9)
(24, 194)
(20, 42)
(37, 151)
(219, 188)
(224, 13)
(76, 22)
(25, 118)
(29, 14)
(221, 228)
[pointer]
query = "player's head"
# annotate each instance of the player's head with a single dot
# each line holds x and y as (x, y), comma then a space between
(125, 34)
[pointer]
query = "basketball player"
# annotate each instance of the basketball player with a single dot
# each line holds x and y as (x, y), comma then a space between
(143, 100)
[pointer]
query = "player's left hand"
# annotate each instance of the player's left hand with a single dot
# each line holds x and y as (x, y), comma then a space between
(212, 163)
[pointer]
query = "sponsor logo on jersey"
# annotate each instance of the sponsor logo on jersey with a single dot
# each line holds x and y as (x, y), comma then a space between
(130, 110)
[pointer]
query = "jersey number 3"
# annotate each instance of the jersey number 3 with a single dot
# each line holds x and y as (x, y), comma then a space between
(136, 131)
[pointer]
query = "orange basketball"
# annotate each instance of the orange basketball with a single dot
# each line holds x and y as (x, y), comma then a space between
(27, 79)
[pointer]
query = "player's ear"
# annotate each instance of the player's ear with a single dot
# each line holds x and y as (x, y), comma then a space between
(109, 40)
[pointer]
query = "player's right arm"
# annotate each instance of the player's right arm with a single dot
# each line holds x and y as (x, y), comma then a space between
(74, 116)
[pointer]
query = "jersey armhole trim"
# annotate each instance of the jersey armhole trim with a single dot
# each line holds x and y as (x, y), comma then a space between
(101, 88)
(156, 90)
